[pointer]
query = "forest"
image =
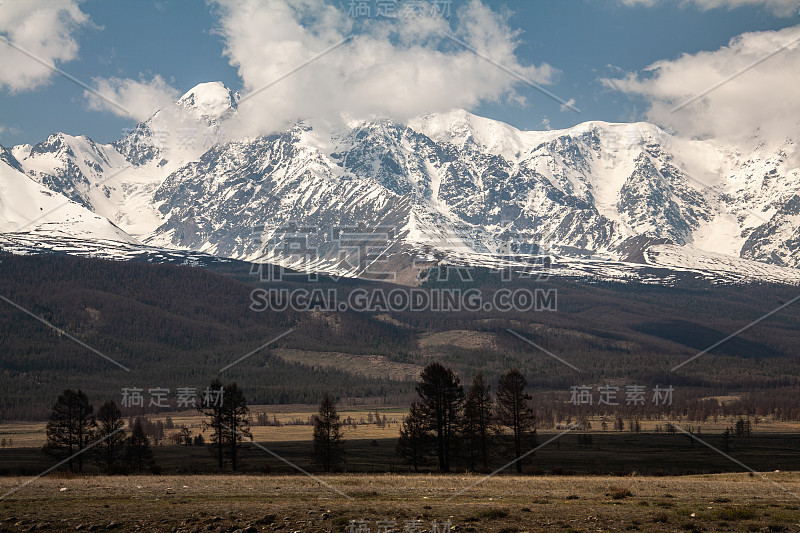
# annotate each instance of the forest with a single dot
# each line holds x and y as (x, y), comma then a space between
(176, 327)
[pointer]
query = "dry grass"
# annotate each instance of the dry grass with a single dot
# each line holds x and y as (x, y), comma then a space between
(504, 503)
(32, 434)
(617, 493)
(24, 434)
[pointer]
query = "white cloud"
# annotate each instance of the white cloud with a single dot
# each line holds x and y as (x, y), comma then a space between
(569, 104)
(13, 130)
(397, 68)
(43, 28)
(783, 8)
(750, 84)
(130, 98)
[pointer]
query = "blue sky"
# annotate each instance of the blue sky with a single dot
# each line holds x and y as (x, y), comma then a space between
(181, 41)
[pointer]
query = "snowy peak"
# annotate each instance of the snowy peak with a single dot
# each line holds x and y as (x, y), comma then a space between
(455, 183)
(211, 99)
(67, 164)
(585, 190)
(461, 128)
(29, 207)
(181, 132)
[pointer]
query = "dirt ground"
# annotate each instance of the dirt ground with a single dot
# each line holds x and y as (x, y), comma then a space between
(385, 502)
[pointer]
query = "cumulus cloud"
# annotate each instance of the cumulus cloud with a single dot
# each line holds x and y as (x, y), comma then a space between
(136, 99)
(747, 86)
(397, 68)
(45, 29)
(782, 8)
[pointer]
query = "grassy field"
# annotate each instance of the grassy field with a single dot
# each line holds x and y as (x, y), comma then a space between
(370, 448)
(660, 482)
(32, 434)
(726, 502)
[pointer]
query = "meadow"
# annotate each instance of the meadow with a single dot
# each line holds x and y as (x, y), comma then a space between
(340, 502)
(371, 448)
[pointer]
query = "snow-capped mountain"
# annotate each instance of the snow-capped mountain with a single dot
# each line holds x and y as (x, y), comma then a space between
(28, 206)
(118, 180)
(448, 187)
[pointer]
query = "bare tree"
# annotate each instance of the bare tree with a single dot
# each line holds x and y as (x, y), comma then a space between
(109, 429)
(137, 446)
(185, 436)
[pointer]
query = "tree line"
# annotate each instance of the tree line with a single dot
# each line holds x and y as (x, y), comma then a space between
(448, 424)
(74, 428)
(451, 425)
(78, 433)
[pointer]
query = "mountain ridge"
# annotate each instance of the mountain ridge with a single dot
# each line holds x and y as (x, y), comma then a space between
(464, 186)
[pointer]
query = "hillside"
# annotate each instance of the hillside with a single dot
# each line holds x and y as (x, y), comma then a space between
(177, 326)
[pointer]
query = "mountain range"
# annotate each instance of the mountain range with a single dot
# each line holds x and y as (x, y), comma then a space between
(377, 198)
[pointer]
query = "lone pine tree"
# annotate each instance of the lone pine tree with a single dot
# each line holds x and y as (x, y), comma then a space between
(328, 438)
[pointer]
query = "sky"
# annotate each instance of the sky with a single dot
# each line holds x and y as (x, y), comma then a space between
(99, 67)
